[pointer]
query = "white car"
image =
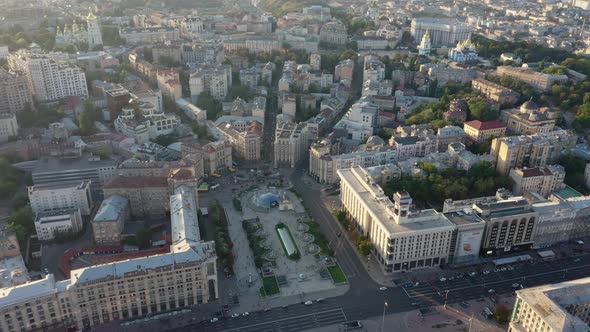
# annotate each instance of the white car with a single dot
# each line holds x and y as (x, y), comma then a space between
(382, 288)
(472, 274)
(235, 315)
(214, 319)
(491, 291)
(486, 272)
(308, 303)
(443, 279)
(246, 314)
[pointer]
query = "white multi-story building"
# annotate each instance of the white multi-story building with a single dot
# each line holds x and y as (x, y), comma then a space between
(217, 81)
(323, 165)
(402, 239)
(442, 32)
(373, 68)
(359, 120)
(557, 307)
(148, 35)
(150, 125)
(556, 223)
(128, 289)
(8, 126)
(48, 225)
(48, 79)
(64, 196)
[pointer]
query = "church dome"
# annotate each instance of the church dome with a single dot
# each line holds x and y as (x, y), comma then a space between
(528, 107)
(91, 17)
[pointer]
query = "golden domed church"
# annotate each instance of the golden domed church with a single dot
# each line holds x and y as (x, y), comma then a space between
(76, 34)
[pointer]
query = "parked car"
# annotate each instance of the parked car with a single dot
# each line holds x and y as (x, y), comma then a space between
(491, 291)
(235, 315)
(308, 303)
(464, 304)
(382, 288)
(246, 314)
(443, 279)
(214, 319)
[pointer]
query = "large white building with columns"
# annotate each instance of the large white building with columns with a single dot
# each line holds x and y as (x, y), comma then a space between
(403, 239)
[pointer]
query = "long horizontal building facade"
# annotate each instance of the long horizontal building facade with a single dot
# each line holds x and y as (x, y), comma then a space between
(403, 239)
(125, 289)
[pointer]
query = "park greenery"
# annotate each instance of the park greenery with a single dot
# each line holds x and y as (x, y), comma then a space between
(337, 274)
(223, 244)
(165, 140)
(255, 240)
(10, 179)
(355, 25)
(527, 51)
(41, 118)
(22, 223)
(430, 189)
(574, 172)
(210, 104)
(91, 113)
(270, 286)
(432, 112)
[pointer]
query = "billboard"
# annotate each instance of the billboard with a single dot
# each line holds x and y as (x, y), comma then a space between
(468, 243)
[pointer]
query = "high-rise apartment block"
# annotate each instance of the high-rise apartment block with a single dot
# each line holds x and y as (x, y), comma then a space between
(15, 94)
(48, 79)
(531, 150)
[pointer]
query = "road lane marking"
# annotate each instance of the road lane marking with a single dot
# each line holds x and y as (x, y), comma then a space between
(283, 319)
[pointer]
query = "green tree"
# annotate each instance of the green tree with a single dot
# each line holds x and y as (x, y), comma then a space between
(364, 246)
(210, 104)
(481, 110)
(502, 314)
(87, 118)
(240, 91)
(22, 224)
(144, 238)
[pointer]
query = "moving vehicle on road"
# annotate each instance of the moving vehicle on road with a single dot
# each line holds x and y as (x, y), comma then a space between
(382, 288)
(246, 314)
(214, 319)
(235, 315)
(308, 303)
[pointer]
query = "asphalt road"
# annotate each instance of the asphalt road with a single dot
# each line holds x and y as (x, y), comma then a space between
(366, 300)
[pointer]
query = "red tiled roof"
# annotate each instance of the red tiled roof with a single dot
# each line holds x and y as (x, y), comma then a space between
(532, 172)
(485, 125)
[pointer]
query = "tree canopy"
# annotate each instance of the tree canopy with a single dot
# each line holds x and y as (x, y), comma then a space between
(435, 186)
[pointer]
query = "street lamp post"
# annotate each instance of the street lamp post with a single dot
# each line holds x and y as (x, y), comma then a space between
(383, 316)
(446, 297)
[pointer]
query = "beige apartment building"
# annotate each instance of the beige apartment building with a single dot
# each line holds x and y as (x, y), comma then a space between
(122, 290)
(556, 307)
(247, 143)
(495, 92)
(541, 180)
(108, 222)
(539, 81)
(217, 156)
(531, 150)
(292, 141)
(402, 239)
(480, 131)
(146, 195)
